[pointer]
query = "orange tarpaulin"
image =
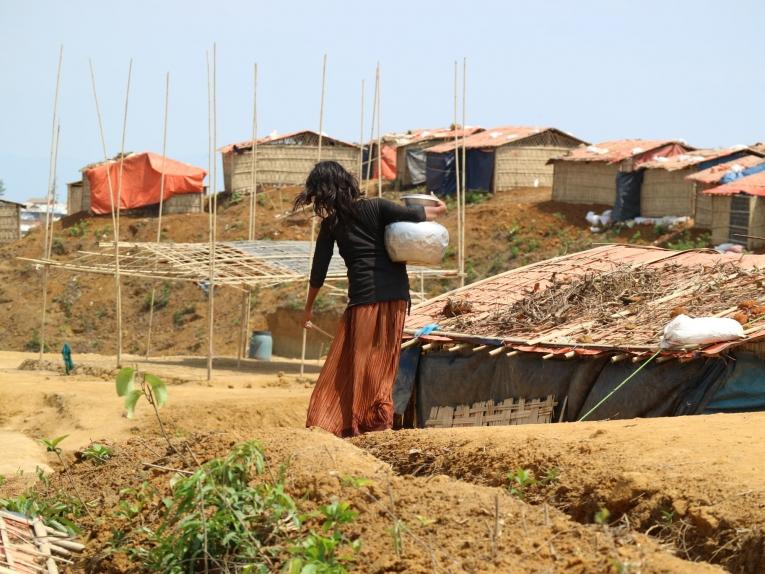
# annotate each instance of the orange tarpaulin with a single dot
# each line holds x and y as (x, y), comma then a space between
(141, 175)
(388, 163)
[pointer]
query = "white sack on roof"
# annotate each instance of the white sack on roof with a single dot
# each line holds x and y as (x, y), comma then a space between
(729, 248)
(684, 331)
(597, 150)
(416, 243)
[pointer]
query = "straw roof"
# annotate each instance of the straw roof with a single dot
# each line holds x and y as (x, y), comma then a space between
(503, 135)
(614, 151)
(304, 137)
(715, 173)
(610, 299)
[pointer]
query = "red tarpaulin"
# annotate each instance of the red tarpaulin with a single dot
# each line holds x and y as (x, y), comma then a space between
(141, 175)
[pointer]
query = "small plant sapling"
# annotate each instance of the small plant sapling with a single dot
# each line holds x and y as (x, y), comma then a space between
(51, 445)
(98, 453)
(149, 386)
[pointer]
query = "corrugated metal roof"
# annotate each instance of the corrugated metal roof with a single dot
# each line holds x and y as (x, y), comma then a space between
(496, 137)
(618, 150)
(714, 174)
(502, 291)
(751, 185)
(281, 138)
(687, 160)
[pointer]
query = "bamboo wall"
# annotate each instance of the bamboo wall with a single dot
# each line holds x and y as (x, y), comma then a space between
(525, 166)
(184, 203)
(584, 182)
(720, 219)
(756, 222)
(279, 165)
(703, 212)
(10, 222)
(667, 193)
(721, 208)
(73, 197)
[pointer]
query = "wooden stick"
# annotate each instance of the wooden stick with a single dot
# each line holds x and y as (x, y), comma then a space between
(313, 218)
(379, 135)
(247, 297)
(161, 205)
(51, 188)
(372, 127)
(39, 530)
(462, 209)
(117, 282)
(457, 182)
(410, 343)
(213, 209)
(361, 137)
(496, 352)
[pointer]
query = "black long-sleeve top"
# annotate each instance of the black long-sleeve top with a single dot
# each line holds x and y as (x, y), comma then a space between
(372, 276)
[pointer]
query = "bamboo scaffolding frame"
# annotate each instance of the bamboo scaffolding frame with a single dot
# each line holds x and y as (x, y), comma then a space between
(372, 127)
(161, 205)
(313, 217)
(115, 226)
(51, 191)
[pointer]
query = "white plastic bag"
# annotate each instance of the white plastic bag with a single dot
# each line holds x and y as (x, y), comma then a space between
(684, 331)
(422, 243)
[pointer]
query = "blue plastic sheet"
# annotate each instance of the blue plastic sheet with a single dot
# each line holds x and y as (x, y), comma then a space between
(743, 390)
(734, 175)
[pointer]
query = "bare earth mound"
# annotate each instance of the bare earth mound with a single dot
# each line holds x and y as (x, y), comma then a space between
(698, 482)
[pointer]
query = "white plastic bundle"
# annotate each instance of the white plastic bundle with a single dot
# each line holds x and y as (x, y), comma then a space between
(684, 331)
(416, 243)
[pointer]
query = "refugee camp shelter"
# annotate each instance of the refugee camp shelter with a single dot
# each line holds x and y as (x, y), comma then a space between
(35, 212)
(566, 331)
(738, 208)
(407, 162)
(711, 177)
(283, 160)
(665, 189)
(10, 221)
(142, 175)
(591, 174)
(499, 159)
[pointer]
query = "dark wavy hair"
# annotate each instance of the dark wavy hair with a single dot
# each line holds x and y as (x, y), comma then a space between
(332, 191)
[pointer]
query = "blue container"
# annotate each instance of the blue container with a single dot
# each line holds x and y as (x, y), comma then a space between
(261, 344)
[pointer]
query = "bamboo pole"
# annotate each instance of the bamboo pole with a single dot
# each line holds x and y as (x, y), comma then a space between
(247, 296)
(213, 216)
(379, 135)
(464, 171)
(372, 128)
(161, 205)
(117, 283)
(119, 209)
(51, 189)
(313, 217)
(457, 182)
(361, 137)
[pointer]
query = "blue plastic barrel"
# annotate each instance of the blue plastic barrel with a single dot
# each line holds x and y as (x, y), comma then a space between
(261, 344)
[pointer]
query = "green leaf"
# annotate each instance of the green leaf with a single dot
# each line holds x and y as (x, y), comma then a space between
(125, 380)
(158, 389)
(52, 444)
(130, 401)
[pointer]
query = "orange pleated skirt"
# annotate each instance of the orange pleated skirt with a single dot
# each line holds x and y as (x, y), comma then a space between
(353, 392)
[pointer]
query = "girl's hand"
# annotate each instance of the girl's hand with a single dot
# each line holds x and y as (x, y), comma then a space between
(307, 317)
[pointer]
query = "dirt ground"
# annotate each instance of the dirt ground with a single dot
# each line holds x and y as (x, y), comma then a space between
(682, 494)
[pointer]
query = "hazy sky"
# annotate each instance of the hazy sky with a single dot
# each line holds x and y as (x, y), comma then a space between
(598, 69)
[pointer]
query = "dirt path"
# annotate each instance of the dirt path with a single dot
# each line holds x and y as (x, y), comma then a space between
(696, 481)
(42, 404)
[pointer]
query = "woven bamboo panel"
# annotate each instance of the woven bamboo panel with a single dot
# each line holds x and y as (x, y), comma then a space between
(281, 165)
(524, 166)
(9, 222)
(667, 193)
(720, 218)
(703, 216)
(184, 203)
(486, 413)
(584, 182)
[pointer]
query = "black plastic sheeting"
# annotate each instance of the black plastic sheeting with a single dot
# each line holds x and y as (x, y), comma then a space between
(628, 187)
(665, 389)
(480, 170)
(440, 174)
(416, 165)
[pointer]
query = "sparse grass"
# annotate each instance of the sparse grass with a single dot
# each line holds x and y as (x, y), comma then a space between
(179, 317)
(685, 241)
(79, 229)
(161, 298)
(521, 481)
(97, 453)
